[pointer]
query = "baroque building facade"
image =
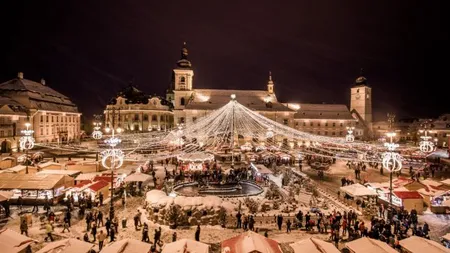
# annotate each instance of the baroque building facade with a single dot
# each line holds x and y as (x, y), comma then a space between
(134, 111)
(323, 119)
(53, 116)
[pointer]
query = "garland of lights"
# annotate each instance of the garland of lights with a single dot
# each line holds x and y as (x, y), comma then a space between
(247, 129)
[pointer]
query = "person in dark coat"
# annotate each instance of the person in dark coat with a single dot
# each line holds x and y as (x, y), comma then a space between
(197, 233)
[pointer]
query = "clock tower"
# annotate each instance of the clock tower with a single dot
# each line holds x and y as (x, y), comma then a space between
(361, 100)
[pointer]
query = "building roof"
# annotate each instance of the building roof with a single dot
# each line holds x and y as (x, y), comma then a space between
(98, 185)
(323, 111)
(250, 242)
(13, 106)
(185, 245)
(368, 245)
(313, 245)
(415, 244)
(13, 242)
(126, 246)
(70, 245)
(38, 95)
(212, 99)
(408, 195)
(30, 181)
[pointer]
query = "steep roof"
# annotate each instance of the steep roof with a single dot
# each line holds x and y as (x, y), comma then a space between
(323, 111)
(212, 99)
(408, 195)
(39, 95)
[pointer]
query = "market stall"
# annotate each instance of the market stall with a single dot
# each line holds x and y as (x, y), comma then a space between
(21, 169)
(313, 245)
(71, 173)
(357, 191)
(440, 203)
(415, 244)
(185, 245)
(195, 161)
(365, 245)
(126, 246)
(249, 242)
(67, 246)
(260, 172)
(13, 242)
(91, 190)
(51, 166)
(36, 188)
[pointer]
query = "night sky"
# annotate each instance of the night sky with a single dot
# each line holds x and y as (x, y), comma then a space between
(315, 49)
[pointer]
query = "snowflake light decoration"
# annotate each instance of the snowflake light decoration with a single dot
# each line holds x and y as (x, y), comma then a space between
(392, 161)
(114, 156)
(426, 145)
(27, 141)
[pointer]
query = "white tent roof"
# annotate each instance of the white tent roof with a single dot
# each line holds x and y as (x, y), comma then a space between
(415, 244)
(67, 246)
(368, 245)
(59, 172)
(87, 176)
(137, 177)
(358, 190)
(446, 181)
(185, 245)
(446, 236)
(126, 246)
(46, 164)
(313, 245)
(13, 242)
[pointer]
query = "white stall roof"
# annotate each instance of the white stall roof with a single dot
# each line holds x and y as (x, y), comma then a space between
(358, 190)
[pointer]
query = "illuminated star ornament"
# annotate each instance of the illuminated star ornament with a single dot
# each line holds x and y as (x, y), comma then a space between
(392, 161)
(426, 145)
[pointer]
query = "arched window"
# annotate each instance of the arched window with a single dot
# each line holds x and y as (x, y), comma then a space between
(182, 101)
(182, 80)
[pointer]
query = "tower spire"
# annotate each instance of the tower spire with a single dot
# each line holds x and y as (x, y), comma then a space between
(270, 83)
(184, 63)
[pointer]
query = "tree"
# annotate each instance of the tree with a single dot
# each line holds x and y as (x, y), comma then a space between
(223, 216)
(173, 214)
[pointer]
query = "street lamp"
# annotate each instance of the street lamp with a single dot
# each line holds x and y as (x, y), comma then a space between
(350, 137)
(392, 161)
(26, 142)
(426, 145)
(97, 133)
(112, 159)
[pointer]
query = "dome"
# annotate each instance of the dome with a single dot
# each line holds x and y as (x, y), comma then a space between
(361, 80)
(184, 63)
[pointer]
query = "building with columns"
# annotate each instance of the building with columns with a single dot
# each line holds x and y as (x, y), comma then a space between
(53, 116)
(134, 111)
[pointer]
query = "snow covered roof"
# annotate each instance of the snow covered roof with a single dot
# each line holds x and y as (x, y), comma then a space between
(358, 190)
(323, 111)
(5, 195)
(31, 181)
(58, 172)
(38, 95)
(431, 182)
(158, 198)
(87, 176)
(126, 246)
(185, 245)
(137, 177)
(50, 163)
(446, 236)
(13, 242)
(415, 244)
(67, 246)
(313, 245)
(368, 245)
(446, 182)
(212, 99)
(250, 242)
(196, 157)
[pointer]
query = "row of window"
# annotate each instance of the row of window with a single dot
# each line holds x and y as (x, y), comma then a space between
(319, 124)
(8, 133)
(57, 118)
(57, 130)
(136, 117)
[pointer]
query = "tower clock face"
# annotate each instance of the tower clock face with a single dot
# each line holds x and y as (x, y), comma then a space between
(357, 96)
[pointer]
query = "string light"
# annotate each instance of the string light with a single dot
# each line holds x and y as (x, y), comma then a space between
(26, 142)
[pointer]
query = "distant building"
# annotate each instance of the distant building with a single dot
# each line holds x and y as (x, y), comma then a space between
(440, 131)
(190, 104)
(53, 116)
(135, 111)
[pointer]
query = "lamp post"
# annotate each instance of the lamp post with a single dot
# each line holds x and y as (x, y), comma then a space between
(426, 145)
(27, 142)
(350, 137)
(97, 133)
(392, 161)
(115, 157)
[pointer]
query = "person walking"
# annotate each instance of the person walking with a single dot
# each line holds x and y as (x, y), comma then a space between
(288, 226)
(197, 233)
(24, 227)
(174, 237)
(48, 230)
(145, 237)
(239, 220)
(94, 230)
(101, 237)
(66, 225)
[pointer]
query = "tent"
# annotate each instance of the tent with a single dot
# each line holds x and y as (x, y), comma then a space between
(368, 245)
(13, 242)
(250, 242)
(126, 246)
(358, 190)
(185, 245)
(313, 245)
(446, 237)
(415, 244)
(137, 177)
(67, 246)
(5, 195)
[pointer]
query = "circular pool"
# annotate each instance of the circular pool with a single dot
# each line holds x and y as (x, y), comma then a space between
(241, 189)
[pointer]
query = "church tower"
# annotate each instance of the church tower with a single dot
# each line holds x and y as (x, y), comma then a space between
(270, 84)
(361, 100)
(182, 79)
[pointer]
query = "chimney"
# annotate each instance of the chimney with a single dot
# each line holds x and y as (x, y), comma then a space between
(20, 75)
(42, 81)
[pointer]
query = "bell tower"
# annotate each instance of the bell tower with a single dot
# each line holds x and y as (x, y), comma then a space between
(270, 84)
(182, 79)
(361, 99)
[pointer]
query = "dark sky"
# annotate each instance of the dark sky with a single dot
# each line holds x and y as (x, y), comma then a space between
(88, 50)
